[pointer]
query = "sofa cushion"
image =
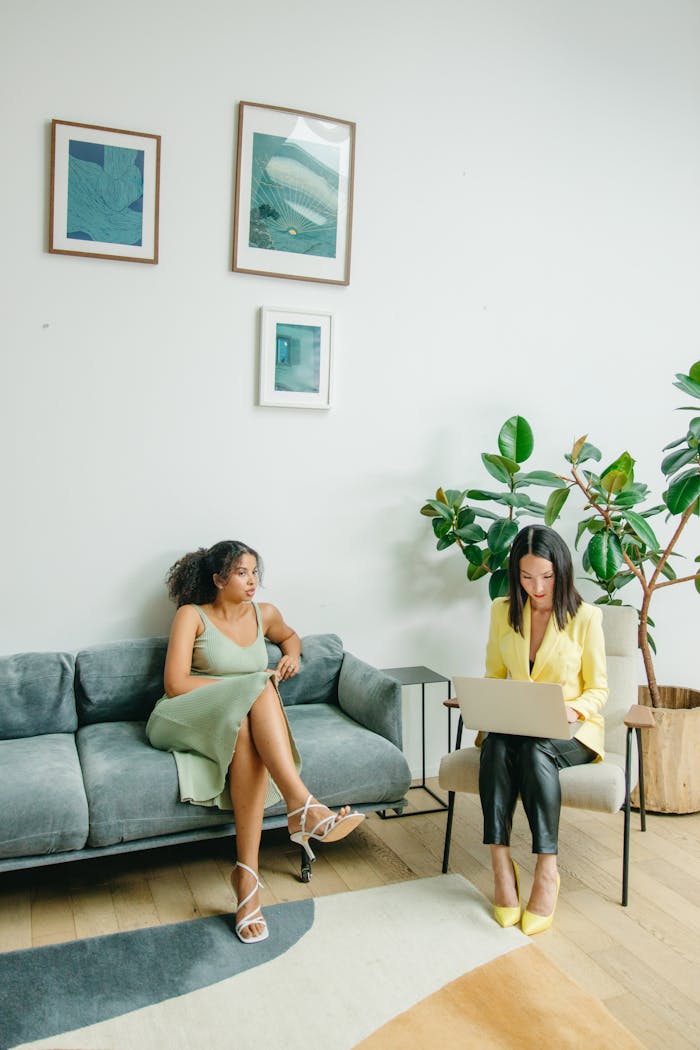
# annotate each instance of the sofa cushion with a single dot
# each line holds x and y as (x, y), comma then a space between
(36, 695)
(119, 681)
(43, 808)
(342, 762)
(317, 680)
(132, 789)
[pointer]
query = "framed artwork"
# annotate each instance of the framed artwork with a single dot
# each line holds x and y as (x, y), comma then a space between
(104, 192)
(295, 359)
(294, 182)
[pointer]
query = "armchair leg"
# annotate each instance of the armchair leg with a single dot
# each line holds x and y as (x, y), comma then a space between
(448, 830)
(626, 840)
(640, 781)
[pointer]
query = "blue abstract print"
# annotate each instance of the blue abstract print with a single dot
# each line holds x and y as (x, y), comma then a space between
(105, 193)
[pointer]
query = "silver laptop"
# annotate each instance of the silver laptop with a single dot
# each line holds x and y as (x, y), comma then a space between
(502, 705)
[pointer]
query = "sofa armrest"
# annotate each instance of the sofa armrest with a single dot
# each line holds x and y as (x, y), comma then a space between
(371, 697)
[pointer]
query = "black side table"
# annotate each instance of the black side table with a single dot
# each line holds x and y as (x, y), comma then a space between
(421, 676)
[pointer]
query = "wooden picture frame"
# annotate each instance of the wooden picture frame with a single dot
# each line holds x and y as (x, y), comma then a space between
(105, 185)
(293, 198)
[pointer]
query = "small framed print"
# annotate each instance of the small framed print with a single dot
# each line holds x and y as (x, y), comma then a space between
(104, 192)
(294, 182)
(295, 359)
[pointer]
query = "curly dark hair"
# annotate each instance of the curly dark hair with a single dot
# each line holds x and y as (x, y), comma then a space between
(191, 579)
(543, 542)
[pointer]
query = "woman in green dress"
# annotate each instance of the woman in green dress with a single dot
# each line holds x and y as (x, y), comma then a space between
(222, 716)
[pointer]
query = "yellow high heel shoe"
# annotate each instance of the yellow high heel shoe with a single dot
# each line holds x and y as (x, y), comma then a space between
(532, 923)
(509, 916)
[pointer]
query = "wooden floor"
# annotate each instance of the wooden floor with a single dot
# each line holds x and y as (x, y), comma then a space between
(642, 961)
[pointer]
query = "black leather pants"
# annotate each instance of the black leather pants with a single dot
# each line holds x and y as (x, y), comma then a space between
(527, 766)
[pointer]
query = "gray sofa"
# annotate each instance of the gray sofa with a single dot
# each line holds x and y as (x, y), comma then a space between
(79, 779)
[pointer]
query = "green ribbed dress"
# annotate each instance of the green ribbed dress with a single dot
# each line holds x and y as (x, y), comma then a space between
(201, 727)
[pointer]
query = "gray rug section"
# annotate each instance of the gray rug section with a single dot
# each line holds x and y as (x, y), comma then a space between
(46, 991)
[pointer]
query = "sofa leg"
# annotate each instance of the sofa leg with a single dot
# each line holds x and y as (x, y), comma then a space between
(448, 830)
(305, 866)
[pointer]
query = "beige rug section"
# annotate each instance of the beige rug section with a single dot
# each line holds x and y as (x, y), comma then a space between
(520, 1000)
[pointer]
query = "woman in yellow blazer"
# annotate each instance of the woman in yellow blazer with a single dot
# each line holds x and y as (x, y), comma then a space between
(544, 632)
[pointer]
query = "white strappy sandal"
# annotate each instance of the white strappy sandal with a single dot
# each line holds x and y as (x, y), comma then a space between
(255, 917)
(336, 827)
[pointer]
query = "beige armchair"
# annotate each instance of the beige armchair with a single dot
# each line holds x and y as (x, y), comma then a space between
(603, 786)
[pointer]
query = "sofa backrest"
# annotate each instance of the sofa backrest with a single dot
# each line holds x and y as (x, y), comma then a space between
(36, 695)
(317, 681)
(121, 681)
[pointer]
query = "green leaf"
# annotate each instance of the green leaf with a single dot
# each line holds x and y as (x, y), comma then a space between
(689, 384)
(619, 475)
(668, 571)
(636, 493)
(605, 554)
(428, 511)
(584, 526)
(515, 499)
(471, 533)
(674, 444)
(482, 494)
(643, 529)
(585, 452)
(454, 497)
(554, 505)
(490, 516)
(498, 584)
(495, 559)
(697, 582)
(501, 535)
(694, 372)
(694, 429)
(446, 541)
(673, 462)
(441, 527)
(441, 508)
(473, 554)
(622, 579)
(465, 517)
(652, 643)
(535, 509)
(683, 492)
(515, 439)
(540, 477)
(475, 572)
(499, 467)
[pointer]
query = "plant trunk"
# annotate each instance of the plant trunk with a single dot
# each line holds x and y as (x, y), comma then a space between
(646, 651)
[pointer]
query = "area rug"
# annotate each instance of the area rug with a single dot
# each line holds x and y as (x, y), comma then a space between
(414, 965)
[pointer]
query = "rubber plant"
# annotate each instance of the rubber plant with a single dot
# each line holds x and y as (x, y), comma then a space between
(622, 543)
(457, 514)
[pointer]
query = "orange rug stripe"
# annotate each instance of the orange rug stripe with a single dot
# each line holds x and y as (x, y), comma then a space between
(518, 1000)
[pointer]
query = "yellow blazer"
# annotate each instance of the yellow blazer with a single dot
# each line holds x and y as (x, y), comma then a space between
(575, 657)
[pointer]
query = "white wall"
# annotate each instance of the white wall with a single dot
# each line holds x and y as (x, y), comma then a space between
(526, 239)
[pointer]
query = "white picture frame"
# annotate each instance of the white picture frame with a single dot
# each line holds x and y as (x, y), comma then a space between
(295, 358)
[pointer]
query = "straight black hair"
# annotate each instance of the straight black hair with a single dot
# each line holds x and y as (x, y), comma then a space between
(543, 542)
